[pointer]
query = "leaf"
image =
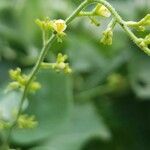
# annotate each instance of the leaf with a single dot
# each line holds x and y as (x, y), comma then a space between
(112, 65)
(85, 124)
(51, 107)
(139, 75)
(84, 56)
(9, 103)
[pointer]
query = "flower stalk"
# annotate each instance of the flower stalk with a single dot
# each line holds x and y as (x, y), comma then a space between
(103, 9)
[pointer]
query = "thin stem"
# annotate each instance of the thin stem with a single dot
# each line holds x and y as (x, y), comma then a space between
(123, 24)
(77, 11)
(91, 93)
(86, 14)
(31, 77)
(44, 37)
(118, 19)
(36, 68)
(47, 45)
(112, 23)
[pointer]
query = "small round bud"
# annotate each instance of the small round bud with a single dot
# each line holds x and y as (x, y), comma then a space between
(61, 65)
(34, 86)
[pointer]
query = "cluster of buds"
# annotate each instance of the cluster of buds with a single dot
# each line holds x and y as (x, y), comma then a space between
(45, 25)
(59, 65)
(20, 80)
(144, 43)
(107, 37)
(56, 26)
(140, 25)
(25, 121)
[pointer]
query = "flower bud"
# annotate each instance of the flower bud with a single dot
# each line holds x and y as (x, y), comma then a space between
(60, 64)
(25, 121)
(14, 74)
(101, 10)
(46, 25)
(107, 37)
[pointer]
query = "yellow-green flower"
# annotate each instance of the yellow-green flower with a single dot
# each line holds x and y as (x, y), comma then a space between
(59, 26)
(60, 64)
(101, 10)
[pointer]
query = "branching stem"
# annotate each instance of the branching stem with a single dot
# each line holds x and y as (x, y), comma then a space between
(47, 44)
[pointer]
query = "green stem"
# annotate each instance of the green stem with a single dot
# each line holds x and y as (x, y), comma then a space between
(36, 68)
(123, 24)
(31, 77)
(81, 14)
(112, 23)
(77, 11)
(91, 93)
(48, 44)
(118, 18)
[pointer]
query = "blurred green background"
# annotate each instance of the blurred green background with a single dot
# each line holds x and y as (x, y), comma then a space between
(104, 104)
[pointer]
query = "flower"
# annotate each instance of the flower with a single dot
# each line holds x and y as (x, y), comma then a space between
(59, 26)
(101, 10)
(61, 65)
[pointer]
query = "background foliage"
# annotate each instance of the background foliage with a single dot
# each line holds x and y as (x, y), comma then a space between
(104, 104)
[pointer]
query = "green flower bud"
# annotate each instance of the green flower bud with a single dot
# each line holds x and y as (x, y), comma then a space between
(45, 25)
(67, 69)
(19, 80)
(34, 86)
(107, 37)
(60, 64)
(141, 24)
(61, 58)
(14, 74)
(144, 44)
(147, 40)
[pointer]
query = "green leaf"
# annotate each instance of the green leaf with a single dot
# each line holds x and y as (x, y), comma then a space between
(84, 56)
(85, 125)
(51, 107)
(9, 103)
